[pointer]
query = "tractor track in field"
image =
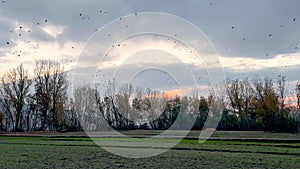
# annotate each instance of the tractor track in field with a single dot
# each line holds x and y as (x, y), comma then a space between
(174, 148)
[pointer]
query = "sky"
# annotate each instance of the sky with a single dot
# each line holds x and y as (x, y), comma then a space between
(248, 37)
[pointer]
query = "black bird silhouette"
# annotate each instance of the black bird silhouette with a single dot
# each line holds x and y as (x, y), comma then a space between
(294, 19)
(7, 43)
(270, 35)
(46, 20)
(232, 27)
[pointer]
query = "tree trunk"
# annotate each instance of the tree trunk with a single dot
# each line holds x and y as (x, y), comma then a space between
(27, 121)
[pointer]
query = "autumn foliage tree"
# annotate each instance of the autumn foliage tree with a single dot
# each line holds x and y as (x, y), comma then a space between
(267, 103)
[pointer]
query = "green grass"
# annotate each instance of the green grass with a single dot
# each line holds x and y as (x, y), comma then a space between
(72, 152)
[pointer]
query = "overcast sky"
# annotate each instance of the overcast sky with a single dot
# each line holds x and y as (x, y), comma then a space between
(251, 37)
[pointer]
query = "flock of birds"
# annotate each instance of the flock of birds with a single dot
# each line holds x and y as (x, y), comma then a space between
(20, 31)
(270, 35)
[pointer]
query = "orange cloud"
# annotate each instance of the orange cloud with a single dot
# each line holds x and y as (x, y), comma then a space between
(170, 94)
(291, 101)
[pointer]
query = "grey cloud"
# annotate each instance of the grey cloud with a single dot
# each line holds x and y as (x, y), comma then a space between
(252, 22)
(236, 28)
(66, 13)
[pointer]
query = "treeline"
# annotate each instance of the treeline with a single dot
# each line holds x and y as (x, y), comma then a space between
(39, 102)
(261, 104)
(36, 102)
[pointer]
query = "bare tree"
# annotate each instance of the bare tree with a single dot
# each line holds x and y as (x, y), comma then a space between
(137, 105)
(281, 90)
(122, 102)
(50, 92)
(15, 86)
(1, 120)
(298, 96)
(154, 105)
(298, 106)
(240, 93)
(86, 107)
(71, 120)
(216, 107)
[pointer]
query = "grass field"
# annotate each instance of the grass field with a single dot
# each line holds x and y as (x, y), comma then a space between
(267, 150)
